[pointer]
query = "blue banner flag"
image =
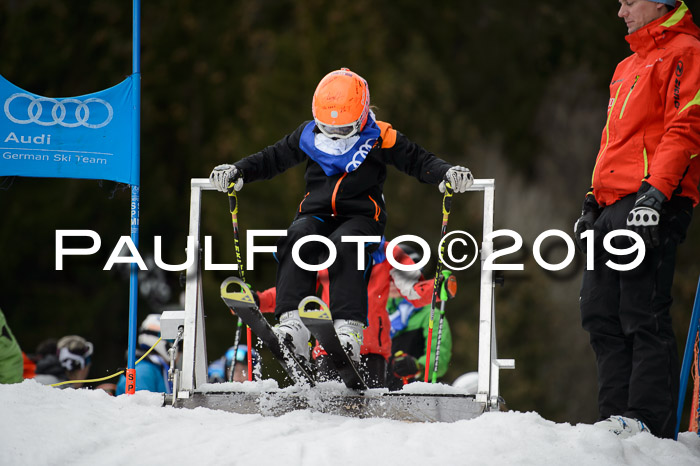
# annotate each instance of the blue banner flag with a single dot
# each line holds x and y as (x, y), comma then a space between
(89, 136)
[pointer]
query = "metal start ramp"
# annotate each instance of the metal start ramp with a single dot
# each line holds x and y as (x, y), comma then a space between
(410, 407)
(188, 383)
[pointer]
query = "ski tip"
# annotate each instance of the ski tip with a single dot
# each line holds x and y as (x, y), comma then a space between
(242, 294)
(313, 307)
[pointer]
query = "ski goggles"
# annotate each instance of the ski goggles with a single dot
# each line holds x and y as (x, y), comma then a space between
(339, 131)
(75, 351)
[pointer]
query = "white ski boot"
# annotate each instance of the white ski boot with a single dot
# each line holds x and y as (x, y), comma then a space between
(350, 336)
(291, 328)
(621, 426)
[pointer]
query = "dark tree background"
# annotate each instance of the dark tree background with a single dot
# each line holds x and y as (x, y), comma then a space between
(515, 90)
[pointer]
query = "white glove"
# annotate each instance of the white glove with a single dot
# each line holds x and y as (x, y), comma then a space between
(460, 178)
(224, 174)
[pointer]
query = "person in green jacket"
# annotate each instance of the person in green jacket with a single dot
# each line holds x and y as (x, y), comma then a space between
(11, 361)
(409, 336)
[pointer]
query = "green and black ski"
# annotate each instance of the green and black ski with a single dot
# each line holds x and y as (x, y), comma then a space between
(317, 317)
(242, 303)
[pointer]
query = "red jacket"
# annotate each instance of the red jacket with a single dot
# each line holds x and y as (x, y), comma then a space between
(652, 130)
(376, 336)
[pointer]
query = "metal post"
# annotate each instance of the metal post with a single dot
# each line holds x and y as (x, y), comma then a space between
(135, 195)
(486, 296)
(194, 355)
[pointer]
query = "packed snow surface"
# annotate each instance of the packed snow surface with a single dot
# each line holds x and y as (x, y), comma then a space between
(40, 425)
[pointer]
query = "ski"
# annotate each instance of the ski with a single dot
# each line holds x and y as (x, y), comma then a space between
(317, 317)
(243, 305)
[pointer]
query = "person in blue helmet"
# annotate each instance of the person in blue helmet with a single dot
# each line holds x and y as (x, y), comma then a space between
(233, 366)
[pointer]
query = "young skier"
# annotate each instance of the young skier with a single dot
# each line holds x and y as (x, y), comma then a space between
(346, 151)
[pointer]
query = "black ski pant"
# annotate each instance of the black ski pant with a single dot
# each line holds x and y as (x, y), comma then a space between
(627, 317)
(347, 284)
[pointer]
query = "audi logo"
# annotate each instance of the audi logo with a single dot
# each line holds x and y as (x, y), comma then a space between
(35, 108)
(360, 155)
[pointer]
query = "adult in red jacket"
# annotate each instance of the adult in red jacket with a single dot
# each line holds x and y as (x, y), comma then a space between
(645, 179)
(376, 343)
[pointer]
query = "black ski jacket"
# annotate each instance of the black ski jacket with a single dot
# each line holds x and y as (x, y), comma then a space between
(359, 192)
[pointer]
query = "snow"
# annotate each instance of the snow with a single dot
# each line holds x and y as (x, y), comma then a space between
(43, 425)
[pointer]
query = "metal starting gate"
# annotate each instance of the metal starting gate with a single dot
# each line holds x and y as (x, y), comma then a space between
(192, 390)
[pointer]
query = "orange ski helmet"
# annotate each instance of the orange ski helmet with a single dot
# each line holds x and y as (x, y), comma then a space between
(341, 104)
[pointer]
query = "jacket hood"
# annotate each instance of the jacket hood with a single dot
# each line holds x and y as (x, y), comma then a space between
(659, 31)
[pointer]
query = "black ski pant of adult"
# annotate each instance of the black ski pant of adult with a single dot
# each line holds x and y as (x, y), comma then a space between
(347, 284)
(627, 317)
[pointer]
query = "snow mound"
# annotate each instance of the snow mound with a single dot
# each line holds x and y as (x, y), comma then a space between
(43, 425)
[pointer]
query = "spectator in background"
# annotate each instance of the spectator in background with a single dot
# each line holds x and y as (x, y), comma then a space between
(409, 334)
(28, 367)
(152, 371)
(376, 341)
(409, 328)
(11, 361)
(234, 366)
(71, 360)
(75, 355)
(48, 368)
(384, 281)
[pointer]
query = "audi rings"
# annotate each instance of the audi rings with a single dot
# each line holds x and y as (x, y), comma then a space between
(35, 109)
(360, 155)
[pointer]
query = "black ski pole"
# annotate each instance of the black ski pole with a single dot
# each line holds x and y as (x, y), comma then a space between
(233, 208)
(446, 206)
(445, 294)
(236, 340)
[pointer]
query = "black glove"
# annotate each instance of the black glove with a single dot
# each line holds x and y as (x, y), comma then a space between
(646, 213)
(404, 365)
(590, 211)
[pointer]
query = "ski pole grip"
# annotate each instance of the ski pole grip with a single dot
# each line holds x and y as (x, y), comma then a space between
(447, 199)
(232, 199)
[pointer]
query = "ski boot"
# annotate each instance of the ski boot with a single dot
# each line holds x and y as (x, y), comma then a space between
(350, 336)
(294, 335)
(621, 426)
